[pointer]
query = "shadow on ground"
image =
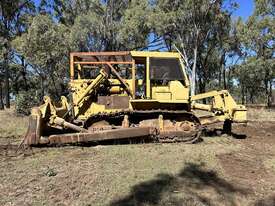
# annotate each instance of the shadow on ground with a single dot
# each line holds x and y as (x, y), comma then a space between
(214, 132)
(192, 186)
(269, 201)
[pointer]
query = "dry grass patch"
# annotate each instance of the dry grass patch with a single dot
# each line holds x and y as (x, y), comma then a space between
(12, 126)
(261, 114)
(140, 174)
(135, 174)
(270, 163)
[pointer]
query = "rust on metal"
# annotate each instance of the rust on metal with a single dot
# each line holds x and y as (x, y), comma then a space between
(133, 77)
(63, 123)
(206, 120)
(117, 53)
(120, 79)
(123, 133)
(125, 122)
(114, 102)
(111, 62)
(99, 58)
(118, 95)
(71, 66)
(34, 128)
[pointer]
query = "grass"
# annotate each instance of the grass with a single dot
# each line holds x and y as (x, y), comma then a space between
(12, 125)
(134, 174)
(105, 175)
(253, 114)
(270, 163)
(261, 114)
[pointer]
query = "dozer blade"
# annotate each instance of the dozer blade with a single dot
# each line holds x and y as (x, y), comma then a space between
(122, 133)
(34, 129)
(113, 134)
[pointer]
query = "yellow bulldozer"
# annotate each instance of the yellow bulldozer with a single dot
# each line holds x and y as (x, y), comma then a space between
(124, 95)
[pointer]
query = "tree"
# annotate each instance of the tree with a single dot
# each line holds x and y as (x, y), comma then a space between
(220, 53)
(195, 27)
(258, 49)
(81, 25)
(102, 25)
(12, 21)
(110, 26)
(45, 46)
(1, 73)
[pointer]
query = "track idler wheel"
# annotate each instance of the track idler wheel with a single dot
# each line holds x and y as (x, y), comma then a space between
(185, 131)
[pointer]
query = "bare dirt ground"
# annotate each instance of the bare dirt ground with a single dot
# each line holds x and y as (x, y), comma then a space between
(220, 170)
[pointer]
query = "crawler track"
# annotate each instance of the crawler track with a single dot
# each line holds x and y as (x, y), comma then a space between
(138, 117)
(156, 125)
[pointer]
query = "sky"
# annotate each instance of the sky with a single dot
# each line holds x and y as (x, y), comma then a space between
(244, 11)
(245, 8)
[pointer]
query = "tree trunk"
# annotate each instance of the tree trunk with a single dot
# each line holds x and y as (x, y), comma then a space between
(202, 86)
(42, 88)
(220, 78)
(1, 97)
(54, 85)
(23, 65)
(15, 83)
(269, 103)
(229, 73)
(221, 70)
(243, 94)
(251, 97)
(7, 83)
(224, 77)
(193, 83)
(246, 96)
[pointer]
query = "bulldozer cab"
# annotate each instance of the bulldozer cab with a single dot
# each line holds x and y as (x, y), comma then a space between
(156, 76)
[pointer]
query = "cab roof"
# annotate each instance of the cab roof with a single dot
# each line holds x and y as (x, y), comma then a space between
(126, 53)
(154, 54)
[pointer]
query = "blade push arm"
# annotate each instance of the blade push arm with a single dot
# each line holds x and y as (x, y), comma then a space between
(222, 105)
(92, 87)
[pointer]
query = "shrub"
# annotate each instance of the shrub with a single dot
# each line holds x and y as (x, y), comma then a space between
(25, 101)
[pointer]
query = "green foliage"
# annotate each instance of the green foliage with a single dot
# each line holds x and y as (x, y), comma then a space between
(224, 53)
(50, 172)
(84, 25)
(45, 45)
(25, 101)
(256, 74)
(13, 18)
(114, 25)
(200, 29)
(134, 27)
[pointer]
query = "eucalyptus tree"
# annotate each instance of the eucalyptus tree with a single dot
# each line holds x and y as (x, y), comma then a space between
(46, 48)
(110, 26)
(97, 25)
(13, 17)
(196, 28)
(257, 34)
(79, 25)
